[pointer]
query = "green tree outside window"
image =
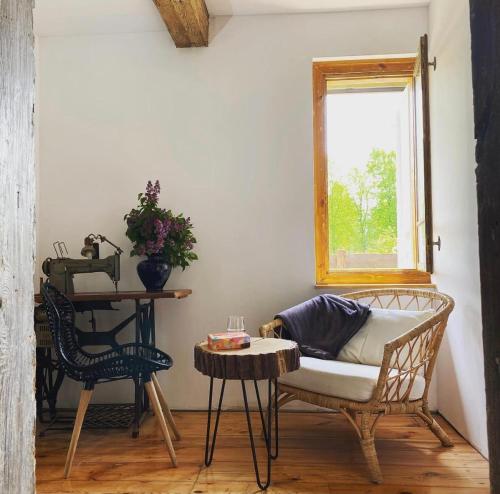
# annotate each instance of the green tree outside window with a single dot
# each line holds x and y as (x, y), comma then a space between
(362, 211)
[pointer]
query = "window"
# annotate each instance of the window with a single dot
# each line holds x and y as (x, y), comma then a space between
(373, 220)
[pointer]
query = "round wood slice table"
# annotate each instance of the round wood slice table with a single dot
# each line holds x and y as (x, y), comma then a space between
(266, 358)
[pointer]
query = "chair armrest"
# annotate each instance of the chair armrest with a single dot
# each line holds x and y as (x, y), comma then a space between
(271, 329)
(411, 354)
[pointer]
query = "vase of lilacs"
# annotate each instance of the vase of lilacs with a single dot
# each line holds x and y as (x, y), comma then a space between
(164, 238)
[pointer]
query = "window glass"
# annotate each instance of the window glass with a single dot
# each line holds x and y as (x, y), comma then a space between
(370, 185)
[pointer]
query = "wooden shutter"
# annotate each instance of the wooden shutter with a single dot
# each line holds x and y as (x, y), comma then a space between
(423, 191)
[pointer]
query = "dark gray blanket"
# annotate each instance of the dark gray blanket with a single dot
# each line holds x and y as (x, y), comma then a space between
(323, 325)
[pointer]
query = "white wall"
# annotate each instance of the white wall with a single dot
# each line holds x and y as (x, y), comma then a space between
(461, 396)
(227, 130)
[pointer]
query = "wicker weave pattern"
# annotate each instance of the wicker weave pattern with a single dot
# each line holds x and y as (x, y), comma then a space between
(413, 353)
(124, 362)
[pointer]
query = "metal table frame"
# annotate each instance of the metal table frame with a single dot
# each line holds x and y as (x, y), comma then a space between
(266, 428)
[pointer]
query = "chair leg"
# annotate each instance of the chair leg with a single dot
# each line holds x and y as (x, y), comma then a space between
(155, 403)
(283, 399)
(166, 410)
(85, 396)
(435, 428)
(367, 440)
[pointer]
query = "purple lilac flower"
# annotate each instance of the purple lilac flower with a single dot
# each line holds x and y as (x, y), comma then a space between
(150, 247)
(167, 225)
(161, 228)
(154, 247)
(177, 226)
(153, 191)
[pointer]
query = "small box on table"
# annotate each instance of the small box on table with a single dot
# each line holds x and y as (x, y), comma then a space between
(229, 340)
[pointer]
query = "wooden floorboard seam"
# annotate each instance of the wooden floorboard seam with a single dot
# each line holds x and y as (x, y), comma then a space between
(318, 453)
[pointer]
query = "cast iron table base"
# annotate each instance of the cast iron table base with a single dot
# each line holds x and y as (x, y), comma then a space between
(144, 318)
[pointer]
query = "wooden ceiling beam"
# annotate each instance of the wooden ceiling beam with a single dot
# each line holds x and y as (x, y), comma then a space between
(186, 21)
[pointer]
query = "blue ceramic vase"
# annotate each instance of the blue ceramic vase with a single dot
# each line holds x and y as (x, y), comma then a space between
(154, 272)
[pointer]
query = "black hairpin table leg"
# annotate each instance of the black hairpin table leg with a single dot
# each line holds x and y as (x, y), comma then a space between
(209, 457)
(275, 410)
(267, 428)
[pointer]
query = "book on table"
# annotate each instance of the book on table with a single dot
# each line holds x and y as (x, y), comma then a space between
(228, 340)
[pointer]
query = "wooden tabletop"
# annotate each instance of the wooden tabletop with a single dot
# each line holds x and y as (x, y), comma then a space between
(266, 358)
(122, 295)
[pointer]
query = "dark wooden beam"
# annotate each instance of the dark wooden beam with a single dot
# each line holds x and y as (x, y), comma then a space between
(485, 30)
(186, 20)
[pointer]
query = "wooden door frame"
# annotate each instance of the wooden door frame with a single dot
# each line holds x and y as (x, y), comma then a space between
(485, 31)
(17, 248)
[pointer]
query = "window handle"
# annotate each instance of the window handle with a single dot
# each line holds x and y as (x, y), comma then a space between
(438, 243)
(433, 64)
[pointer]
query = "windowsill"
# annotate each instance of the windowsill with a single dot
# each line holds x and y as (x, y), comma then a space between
(376, 285)
(374, 278)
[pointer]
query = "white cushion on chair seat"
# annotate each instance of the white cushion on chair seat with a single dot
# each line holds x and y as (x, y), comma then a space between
(345, 380)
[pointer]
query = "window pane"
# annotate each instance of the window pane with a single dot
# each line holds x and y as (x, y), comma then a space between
(370, 191)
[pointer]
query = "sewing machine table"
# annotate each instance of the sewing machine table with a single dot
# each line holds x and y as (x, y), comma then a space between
(144, 316)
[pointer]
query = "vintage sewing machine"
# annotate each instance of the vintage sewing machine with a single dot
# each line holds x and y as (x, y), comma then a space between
(61, 270)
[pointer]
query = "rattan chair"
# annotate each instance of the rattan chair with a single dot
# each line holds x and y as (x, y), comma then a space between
(129, 361)
(414, 353)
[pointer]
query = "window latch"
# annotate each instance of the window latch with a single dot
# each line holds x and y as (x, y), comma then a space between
(433, 64)
(437, 243)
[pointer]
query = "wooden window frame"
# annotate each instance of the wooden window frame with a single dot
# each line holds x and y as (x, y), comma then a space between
(352, 70)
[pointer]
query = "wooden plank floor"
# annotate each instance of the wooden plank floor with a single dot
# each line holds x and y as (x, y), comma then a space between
(319, 453)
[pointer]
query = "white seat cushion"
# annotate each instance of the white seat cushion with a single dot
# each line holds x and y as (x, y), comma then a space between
(382, 326)
(346, 380)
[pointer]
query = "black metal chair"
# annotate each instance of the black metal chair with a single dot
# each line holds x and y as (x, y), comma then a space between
(129, 361)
